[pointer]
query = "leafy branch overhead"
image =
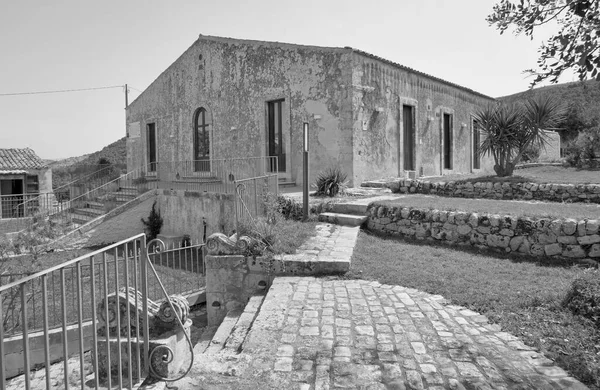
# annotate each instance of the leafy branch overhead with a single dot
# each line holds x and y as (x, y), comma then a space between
(575, 46)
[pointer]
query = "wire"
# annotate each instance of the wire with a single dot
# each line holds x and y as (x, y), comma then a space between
(60, 91)
(135, 89)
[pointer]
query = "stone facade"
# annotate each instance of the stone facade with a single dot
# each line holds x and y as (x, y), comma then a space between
(560, 238)
(353, 102)
(552, 192)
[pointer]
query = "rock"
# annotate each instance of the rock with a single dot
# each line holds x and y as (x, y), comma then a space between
(553, 249)
(516, 242)
(569, 240)
(547, 238)
(537, 250)
(581, 228)
(556, 226)
(594, 251)
(573, 251)
(569, 226)
(592, 226)
(464, 229)
(587, 240)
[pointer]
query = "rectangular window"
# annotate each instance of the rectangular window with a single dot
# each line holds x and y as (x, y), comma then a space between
(275, 141)
(152, 154)
(448, 141)
(476, 145)
(33, 185)
(408, 121)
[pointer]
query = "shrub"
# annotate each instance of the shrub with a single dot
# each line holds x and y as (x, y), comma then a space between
(531, 154)
(583, 297)
(330, 182)
(582, 151)
(154, 223)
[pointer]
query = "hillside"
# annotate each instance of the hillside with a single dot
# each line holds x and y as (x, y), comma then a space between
(583, 99)
(72, 168)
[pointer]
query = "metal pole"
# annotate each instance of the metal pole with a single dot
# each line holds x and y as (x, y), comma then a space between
(305, 173)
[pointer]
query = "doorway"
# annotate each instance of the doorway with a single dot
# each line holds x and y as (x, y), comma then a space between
(448, 141)
(275, 141)
(12, 196)
(152, 147)
(408, 122)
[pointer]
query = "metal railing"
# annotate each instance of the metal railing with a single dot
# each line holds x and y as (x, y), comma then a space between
(217, 175)
(22, 205)
(58, 313)
(251, 195)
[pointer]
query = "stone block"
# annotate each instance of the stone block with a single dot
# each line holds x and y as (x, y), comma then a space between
(574, 251)
(569, 240)
(569, 226)
(553, 249)
(592, 226)
(516, 242)
(594, 250)
(587, 240)
(537, 250)
(464, 229)
(546, 238)
(581, 228)
(556, 227)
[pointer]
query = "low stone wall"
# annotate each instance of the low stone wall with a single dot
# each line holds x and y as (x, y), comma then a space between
(526, 191)
(558, 238)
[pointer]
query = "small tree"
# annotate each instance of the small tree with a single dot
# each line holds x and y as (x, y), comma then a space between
(510, 129)
(154, 223)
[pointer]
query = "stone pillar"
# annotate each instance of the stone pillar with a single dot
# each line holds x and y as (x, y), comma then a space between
(230, 282)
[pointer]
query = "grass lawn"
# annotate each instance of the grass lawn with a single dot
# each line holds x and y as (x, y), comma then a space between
(542, 174)
(532, 209)
(522, 297)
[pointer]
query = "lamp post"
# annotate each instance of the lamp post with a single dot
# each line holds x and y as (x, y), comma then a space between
(305, 172)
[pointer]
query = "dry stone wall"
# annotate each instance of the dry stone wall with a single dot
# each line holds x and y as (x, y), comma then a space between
(560, 238)
(459, 189)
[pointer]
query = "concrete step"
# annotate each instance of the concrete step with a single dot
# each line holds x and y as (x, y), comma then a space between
(285, 183)
(231, 334)
(349, 208)
(124, 196)
(90, 212)
(343, 219)
(95, 205)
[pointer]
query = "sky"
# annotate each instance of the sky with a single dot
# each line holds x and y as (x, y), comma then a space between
(77, 44)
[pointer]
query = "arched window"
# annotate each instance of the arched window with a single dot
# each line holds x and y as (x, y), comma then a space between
(201, 141)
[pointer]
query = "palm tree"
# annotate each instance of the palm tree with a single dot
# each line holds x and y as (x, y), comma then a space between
(509, 129)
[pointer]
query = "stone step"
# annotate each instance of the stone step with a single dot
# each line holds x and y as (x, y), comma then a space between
(95, 205)
(349, 208)
(373, 183)
(235, 341)
(287, 183)
(343, 219)
(89, 212)
(231, 334)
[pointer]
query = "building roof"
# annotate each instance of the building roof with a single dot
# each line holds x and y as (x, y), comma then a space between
(19, 159)
(354, 50)
(400, 66)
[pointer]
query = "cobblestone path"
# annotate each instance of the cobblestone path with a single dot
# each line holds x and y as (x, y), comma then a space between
(319, 333)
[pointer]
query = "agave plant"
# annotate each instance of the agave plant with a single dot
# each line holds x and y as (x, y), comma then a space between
(510, 129)
(330, 182)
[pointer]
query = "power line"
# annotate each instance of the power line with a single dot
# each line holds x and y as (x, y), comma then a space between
(60, 91)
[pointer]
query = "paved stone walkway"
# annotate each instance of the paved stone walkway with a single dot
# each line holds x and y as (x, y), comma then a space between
(320, 333)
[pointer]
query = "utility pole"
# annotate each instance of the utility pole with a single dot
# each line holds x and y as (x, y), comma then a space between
(126, 96)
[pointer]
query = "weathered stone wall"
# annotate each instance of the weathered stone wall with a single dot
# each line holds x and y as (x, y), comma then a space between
(183, 213)
(566, 238)
(380, 89)
(458, 189)
(233, 80)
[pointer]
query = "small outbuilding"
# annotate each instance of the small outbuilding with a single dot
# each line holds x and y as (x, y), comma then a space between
(23, 176)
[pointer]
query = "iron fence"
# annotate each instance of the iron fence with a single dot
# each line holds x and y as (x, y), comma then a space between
(217, 175)
(251, 195)
(56, 313)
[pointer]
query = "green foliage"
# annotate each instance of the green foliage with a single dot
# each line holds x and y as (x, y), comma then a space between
(154, 223)
(583, 298)
(330, 182)
(582, 151)
(288, 208)
(509, 129)
(574, 46)
(530, 154)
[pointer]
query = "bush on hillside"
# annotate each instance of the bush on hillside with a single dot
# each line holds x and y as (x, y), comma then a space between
(583, 151)
(583, 297)
(154, 223)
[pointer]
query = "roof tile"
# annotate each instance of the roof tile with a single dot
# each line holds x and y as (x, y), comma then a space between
(20, 159)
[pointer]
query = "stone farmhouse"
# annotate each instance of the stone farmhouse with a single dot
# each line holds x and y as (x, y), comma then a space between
(373, 118)
(23, 175)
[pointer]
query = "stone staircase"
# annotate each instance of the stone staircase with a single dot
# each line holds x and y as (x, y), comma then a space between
(105, 203)
(346, 214)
